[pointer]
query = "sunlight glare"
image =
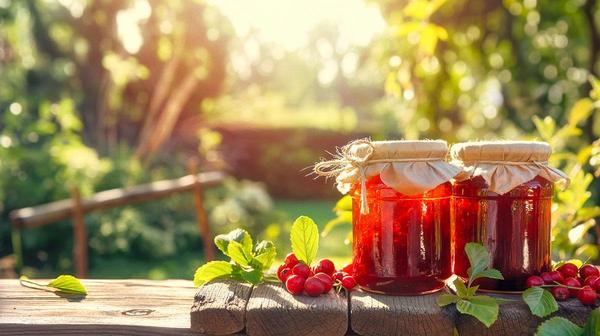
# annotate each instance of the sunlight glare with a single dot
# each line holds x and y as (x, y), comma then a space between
(288, 22)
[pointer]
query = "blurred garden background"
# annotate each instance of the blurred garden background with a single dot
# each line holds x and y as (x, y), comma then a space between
(101, 94)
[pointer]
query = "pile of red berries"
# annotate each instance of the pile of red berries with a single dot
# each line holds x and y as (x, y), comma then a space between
(298, 277)
(569, 281)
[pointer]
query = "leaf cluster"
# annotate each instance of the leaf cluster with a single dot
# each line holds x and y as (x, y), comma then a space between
(248, 262)
(483, 307)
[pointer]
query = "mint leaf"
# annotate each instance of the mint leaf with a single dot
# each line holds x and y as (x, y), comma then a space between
(478, 258)
(482, 307)
(238, 235)
(305, 239)
(446, 299)
(558, 326)
(540, 301)
(461, 289)
(490, 273)
(254, 276)
(592, 326)
(68, 284)
(237, 253)
(264, 254)
(212, 270)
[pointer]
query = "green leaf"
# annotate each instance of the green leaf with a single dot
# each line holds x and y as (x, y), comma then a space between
(540, 301)
(446, 299)
(344, 204)
(558, 326)
(490, 273)
(68, 284)
(592, 326)
(212, 270)
(344, 217)
(238, 254)
(482, 307)
(305, 239)
(265, 253)
(461, 289)
(254, 276)
(478, 258)
(238, 235)
(581, 110)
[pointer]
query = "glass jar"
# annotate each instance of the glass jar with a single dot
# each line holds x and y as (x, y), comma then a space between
(514, 227)
(502, 199)
(402, 246)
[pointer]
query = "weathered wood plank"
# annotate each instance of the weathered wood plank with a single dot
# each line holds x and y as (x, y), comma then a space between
(220, 308)
(51, 212)
(271, 310)
(115, 307)
(381, 315)
(515, 319)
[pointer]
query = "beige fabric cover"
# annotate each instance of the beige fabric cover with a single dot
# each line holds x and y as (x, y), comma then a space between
(505, 164)
(409, 167)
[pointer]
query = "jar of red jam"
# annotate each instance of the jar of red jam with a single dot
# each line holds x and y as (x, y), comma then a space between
(503, 200)
(401, 214)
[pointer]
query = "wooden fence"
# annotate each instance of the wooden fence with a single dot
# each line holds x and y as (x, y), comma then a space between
(77, 207)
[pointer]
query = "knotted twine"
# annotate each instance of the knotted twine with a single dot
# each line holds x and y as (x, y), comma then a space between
(409, 167)
(505, 165)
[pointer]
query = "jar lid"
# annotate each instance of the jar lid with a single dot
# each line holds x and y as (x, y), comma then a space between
(408, 166)
(513, 151)
(401, 149)
(505, 165)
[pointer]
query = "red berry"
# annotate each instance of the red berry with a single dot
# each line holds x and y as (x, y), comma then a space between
(283, 272)
(572, 282)
(302, 270)
(547, 277)
(587, 296)
(327, 281)
(557, 276)
(560, 293)
(338, 276)
(314, 286)
(325, 266)
(291, 260)
(590, 281)
(568, 270)
(596, 286)
(534, 281)
(348, 282)
(348, 268)
(295, 284)
(588, 270)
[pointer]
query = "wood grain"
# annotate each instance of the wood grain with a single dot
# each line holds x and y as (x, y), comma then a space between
(271, 310)
(515, 319)
(381, 315)
(112, 307)
(220, 308)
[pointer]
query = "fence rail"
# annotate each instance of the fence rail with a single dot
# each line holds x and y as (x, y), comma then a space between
(77, 207)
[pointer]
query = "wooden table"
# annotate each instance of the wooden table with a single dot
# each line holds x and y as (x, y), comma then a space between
(175, 307)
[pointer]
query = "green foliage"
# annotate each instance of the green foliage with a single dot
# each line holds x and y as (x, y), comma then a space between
(484, 308)
(540, 301)
(559, 326)
(573, 214)
(67, 284)
(305, 239)
(247, 263)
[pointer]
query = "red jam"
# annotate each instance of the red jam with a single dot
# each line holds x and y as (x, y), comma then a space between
(402, 246)
(514, 227)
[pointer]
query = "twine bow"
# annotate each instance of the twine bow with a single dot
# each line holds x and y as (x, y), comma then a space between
(354, 155)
